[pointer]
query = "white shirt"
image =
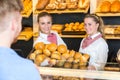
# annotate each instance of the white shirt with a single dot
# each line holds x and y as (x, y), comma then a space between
(98, 51)
(43, 38)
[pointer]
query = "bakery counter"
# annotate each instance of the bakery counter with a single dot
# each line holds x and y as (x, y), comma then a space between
(106, 75)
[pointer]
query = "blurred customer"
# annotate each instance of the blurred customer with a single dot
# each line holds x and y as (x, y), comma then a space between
(12, 66)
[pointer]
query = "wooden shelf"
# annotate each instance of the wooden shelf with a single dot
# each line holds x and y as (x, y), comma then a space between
(82, 36)
(64, 11)
(108, 14)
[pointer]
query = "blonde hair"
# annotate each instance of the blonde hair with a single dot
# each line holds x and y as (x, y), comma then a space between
(98, 20)
(7, 7)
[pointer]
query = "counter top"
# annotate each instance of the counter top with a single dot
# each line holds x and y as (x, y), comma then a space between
(80, 73)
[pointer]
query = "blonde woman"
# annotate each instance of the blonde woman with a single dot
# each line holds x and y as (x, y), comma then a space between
(94, 44)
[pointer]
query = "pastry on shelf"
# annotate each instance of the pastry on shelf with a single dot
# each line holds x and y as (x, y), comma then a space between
(42, 4)
(105, 6)
(61, 6)
(51, 6)
(72, 6)
(115, 6)
(83, 3)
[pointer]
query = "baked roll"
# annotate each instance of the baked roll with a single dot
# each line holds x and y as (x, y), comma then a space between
(105, 6)
(41, 4)
(115, 6)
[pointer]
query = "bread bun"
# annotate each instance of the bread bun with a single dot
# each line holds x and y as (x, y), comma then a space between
(77, 60)
(38, 51)
(32, 56)
(55, 56)
(72, 53)
(71, 59)
(77, 55)
(60, 63)
(39, 45)
(115, 6)
(52, 47)
(62, 48)
(72, 5)
(66, 55)
(41, 4)
(87, 56)
(46, 52)
(75, 66)
(83, 3)
(52, 61)
(39, 59)
(67, 65)
(62, 6)
(105, 6)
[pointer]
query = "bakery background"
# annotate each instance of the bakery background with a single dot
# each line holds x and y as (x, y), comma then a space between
(62, 17)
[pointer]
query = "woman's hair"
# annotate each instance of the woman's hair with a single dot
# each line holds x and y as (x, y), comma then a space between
(43, 14)
(98, 20)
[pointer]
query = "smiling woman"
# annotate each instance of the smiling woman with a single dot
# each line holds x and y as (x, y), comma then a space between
(94, 44)
(46, 35)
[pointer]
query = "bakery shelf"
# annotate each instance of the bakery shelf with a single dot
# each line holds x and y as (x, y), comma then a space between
(64, 11)
(77, 10)
(82, 36)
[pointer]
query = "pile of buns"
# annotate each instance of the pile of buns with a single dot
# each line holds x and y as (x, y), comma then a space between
(59, 56)
(61, 4)
(77, 26)
(110, 6)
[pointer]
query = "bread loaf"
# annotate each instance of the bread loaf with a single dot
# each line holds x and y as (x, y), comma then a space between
(105, 6)
(41, 4)
(83, 3)
(115, 6)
